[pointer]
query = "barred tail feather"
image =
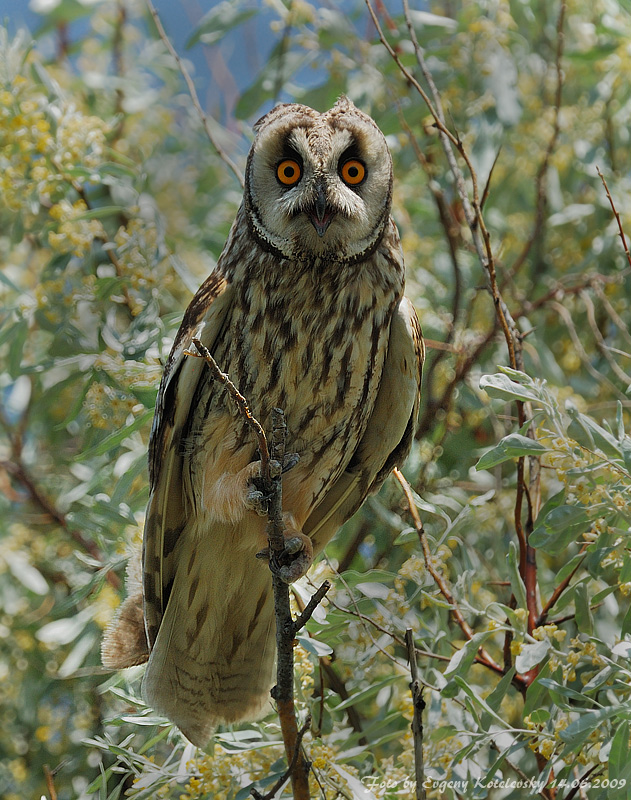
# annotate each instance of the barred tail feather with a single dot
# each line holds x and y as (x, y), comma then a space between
(213, 659)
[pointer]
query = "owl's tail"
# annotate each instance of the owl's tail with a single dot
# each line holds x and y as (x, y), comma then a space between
(213, 659)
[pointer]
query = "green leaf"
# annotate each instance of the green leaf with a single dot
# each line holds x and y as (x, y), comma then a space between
(367, 694)
(591, 435)
(114, 439)
(619, 752)
(315, 646)
(531, 655)
(540, 716)
(16, 347)
(584, 618)
(537, 691)
(589, 721)
(561, 526)
(462, 660)
(517, 583)
(500, 386)
(512, 446)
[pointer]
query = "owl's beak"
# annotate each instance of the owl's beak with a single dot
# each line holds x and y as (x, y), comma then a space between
(321, 214)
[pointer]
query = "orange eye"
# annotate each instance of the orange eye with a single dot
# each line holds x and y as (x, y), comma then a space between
(353, 172)
(288, 172)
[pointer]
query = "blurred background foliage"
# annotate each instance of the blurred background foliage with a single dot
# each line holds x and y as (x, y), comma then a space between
(113, 208)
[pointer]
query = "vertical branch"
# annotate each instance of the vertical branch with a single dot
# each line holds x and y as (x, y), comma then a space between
(417, 720)
(283, 692)
(484, 657)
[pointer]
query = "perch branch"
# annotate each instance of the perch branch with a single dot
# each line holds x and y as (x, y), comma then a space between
(417, 720)
(288, 772)
(286, 628)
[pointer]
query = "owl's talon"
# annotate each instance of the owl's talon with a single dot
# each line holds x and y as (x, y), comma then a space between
(296, 557)
(256, 501)
(290, 460)
(294, 545)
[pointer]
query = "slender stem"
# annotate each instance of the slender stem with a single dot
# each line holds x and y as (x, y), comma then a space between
(239, 399)
(417, 720)
(616, 215)
(485, 657)
(193, 93)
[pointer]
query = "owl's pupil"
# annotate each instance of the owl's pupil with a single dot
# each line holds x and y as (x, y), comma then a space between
(353, 172)
(289, 172)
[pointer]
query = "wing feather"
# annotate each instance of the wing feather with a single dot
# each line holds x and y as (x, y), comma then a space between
(388, 437)
(166, 515)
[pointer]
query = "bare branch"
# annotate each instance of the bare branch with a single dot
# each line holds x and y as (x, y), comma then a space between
(616, 215)
(311, 606)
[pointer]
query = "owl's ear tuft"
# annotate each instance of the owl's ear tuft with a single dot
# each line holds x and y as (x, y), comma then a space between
(343, 104)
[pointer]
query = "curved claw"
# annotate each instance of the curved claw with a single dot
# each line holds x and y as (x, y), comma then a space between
(256, 501)
(295, 559)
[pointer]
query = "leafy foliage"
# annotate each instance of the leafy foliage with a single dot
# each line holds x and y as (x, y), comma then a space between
(113, 208)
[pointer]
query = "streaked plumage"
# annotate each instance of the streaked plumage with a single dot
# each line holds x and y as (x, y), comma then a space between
(305, 311)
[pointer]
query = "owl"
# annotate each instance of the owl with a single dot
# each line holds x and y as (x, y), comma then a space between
(305, 311)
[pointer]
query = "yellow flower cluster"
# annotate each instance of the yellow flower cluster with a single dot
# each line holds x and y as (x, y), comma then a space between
(136, 374)
(75, 233)
(221, 774)
(108, 408)
(303, 669)
(137, 253)
(550, 632)
(44, 145)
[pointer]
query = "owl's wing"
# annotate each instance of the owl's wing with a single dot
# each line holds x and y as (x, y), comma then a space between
(166, 515)
(388, 437)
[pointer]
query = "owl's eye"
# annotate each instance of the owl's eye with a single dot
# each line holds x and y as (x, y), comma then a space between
(353, 172)
(288, 172)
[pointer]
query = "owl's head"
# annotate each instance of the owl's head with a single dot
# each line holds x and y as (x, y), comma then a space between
(318, 185)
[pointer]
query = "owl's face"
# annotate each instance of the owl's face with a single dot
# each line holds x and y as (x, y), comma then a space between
(318, 185)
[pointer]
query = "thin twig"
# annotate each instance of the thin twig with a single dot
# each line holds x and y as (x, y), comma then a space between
(49, 777)
(302, 619)
(616, 215)
(289, 771)
(241, 402)
(485, 657)
(194, 97)
(417, 720)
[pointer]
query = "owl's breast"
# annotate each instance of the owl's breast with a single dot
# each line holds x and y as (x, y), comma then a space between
(319, 356)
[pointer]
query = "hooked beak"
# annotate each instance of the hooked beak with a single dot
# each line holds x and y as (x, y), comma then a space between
(320, 214)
